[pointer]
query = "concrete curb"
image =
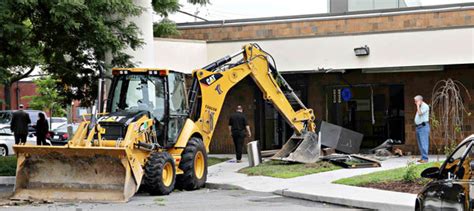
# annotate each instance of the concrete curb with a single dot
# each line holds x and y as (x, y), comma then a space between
(7, 180)
(211, 185)
(344, 201)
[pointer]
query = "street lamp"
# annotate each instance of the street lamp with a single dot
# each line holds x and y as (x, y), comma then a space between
(362, 51)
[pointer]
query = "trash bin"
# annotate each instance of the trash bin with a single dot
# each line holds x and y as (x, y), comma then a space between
(253, 152)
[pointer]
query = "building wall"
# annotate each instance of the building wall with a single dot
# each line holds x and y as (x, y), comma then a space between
(394, 49)
(24, 88)
(414, 83)
(242, 94)
(335, 25)
(180, 55)
(439, 36)
(28, 88)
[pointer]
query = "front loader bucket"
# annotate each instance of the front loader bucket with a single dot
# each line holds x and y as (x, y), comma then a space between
(61, 173)
(305, 148)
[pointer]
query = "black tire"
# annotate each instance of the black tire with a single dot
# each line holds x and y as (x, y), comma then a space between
(153, 178)
(189, 180)
(3, 150)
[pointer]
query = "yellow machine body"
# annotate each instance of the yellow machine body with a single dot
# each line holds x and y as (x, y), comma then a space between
(92, 168)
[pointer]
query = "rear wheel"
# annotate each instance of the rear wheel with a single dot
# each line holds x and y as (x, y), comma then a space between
(160, 173)
(194, 166)
(3, 150)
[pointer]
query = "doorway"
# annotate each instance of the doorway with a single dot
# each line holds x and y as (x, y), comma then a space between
(377, 111)
(272, 128)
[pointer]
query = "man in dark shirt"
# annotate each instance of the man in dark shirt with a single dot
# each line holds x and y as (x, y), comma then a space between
(237, 126)
(19, 125)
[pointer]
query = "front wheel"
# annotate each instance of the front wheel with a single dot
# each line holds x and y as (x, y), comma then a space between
(160, 173)
(3, 151)
(194, 166)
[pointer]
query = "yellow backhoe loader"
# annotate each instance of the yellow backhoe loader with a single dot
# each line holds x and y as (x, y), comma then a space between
(154, 134)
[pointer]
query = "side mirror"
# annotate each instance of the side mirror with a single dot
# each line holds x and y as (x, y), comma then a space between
(431, 173)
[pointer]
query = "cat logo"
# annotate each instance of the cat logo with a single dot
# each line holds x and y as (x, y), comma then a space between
(210, 79)
(111, 118)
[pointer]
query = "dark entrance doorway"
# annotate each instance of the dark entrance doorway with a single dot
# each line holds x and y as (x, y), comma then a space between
(272, 129)
(377, 111)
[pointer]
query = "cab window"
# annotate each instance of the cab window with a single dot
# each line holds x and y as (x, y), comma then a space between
(177, 93)
(139, 92)
(452, 165)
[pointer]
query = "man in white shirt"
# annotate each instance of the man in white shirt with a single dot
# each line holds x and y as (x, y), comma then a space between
(422, 120)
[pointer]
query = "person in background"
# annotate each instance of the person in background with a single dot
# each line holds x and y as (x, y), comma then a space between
(42, 129)
(19, 125)
(422, 124)
(237, 126)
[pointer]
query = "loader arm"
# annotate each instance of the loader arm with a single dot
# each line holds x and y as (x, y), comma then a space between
(212, 83)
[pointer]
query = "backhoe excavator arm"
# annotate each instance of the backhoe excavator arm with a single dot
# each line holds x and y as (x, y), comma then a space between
(212, 83)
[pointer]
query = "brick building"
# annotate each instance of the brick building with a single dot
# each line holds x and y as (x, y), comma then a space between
(19, 90)
(410, 49)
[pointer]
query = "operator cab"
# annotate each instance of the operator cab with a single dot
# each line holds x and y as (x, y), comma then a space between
(159, 93)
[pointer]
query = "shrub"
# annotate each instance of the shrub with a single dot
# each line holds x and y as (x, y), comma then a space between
(410, 173)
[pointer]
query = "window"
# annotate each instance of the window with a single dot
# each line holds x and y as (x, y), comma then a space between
(139, 92)
(453, 167)
(177, 93)
(5, 117)
(177, 105)
(6, 131)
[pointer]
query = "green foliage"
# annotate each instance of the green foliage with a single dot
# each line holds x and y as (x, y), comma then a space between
(8, 166)
(19, 52)
(163, 8)
(213, 160)
(391, 175)
(410, 174)
(70, 39)
(165, 28)
(48, 97)
(281, 169)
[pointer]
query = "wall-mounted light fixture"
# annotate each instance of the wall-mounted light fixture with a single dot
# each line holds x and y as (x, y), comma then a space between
(362, 51)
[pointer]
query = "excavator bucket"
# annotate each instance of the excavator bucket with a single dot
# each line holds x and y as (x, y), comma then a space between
(305, 148)
(61, 173)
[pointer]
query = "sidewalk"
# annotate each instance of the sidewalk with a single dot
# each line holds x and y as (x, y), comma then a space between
(319, 187)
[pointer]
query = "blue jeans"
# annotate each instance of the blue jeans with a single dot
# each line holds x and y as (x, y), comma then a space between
(423, 139)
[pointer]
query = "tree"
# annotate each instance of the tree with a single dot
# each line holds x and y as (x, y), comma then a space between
(47, 97)
(447, 112)
(19, 54)
(70, 40)
(166, 27)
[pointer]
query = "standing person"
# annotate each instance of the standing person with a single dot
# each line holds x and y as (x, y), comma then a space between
(19, 125)
(237, 126)
(41, 129)
(422, 118)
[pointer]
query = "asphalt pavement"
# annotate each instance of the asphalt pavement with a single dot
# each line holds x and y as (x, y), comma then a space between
(204, 199)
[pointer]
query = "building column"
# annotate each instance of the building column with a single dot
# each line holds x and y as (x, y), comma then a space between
(143, 56)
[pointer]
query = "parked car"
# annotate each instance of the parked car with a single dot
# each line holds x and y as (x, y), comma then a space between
(57, 122)
(60, 135)
(6, 118)
(450, 188)
(7, 140)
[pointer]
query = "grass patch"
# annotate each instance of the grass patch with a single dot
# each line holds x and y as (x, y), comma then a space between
(8, 166)
(213, 160)
(281, 169)
(392, 175)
